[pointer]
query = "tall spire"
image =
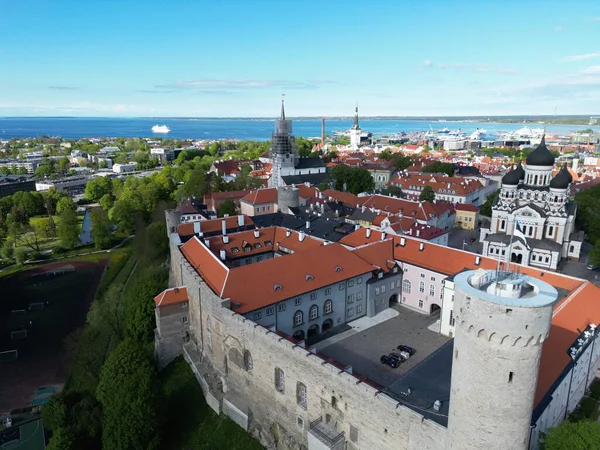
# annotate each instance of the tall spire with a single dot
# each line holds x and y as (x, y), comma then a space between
(282, 111)
(355, 126)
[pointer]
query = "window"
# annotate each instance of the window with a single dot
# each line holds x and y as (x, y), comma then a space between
(376, 291)
(184, 319)
(281, 307)
(359, 308)
(298, 301)
(236, 264)
(420, 303)
(247, 249)
(314, 312)
(257, 315)
(550, 231)
(350, 312)
(270, 311)
(184, 305)
(257, 245)
(510, 377)
(234, 250)
(380, 275)
(313, 295)
(298, 318)
(350, 283)
(279, 380)
(300, 422)
(422, 286)
(422, 275)
(432, 278)
(327, 291)
(341, 286)
(397, 283)
(451, 322)
(351, 298)
(301, 395)
(248, 260)
(432, 290)
(328, 307)
(359, 295)
(268, 243)
(359, 280)
(406, 286)
(382, 288)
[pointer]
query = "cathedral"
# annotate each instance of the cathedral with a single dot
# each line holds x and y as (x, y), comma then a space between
(533, 216)
(288, 167)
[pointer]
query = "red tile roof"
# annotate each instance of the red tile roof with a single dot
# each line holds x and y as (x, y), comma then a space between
(343, 197)
(307, 191)
(213, 271)
(210, 226)
(171, 296)
(380, 254)
(466, 207)
(228, 195)
(261, 196)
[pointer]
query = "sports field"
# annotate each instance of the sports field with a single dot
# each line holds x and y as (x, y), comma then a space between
(40, 309)
(29, 436)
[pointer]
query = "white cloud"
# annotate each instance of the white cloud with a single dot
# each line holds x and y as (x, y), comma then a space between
(591, 70)
(581, 57)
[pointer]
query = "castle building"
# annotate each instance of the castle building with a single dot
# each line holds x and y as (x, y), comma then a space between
(355, 132)
(540, 208)
(518, 352)
(288, 167)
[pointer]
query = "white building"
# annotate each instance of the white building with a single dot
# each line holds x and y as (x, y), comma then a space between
(122, 168)
(355, 132)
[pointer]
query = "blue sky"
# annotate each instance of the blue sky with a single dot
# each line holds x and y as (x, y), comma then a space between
(230, 58)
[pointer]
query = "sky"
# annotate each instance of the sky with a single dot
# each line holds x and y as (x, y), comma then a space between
(236, 58)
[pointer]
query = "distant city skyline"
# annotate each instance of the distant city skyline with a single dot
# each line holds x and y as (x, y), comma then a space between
(236, 58)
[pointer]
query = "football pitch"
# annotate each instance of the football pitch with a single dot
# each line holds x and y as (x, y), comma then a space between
(29, 436)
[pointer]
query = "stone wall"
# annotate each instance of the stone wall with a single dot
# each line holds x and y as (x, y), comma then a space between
(250, 358)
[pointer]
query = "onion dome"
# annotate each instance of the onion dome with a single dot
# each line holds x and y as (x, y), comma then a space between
(511, 178)
(562, 179)
(521, 171)
(541, 156)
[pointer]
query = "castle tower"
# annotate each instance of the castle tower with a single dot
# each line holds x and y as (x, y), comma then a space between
(502, 318)
(284, 153)
(355, 132)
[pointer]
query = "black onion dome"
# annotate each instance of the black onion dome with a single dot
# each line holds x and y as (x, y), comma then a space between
(562, 179)
(511, 178)
(521, 171)
(541, 156)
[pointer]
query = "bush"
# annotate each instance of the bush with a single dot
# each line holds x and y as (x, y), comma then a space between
(20, 256)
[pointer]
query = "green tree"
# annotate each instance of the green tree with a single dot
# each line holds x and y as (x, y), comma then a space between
(46, 227)
(101, 227)
(227, 207)
(65, 204)
(439, 167)
(582, 435)
(588, 212)
(594, 254)
(486, 208)
(196, 185)
(62, 439)
(20, 256)
(8, 250)
(97, 187)
(139, 303)
(123, 214)
(304, 146)
(55, 412)
(395, 191)
(427, 194)
(400, 161)
(63, 165)
(355, 179)
(106, 202)
(129, 394)
(67, 229)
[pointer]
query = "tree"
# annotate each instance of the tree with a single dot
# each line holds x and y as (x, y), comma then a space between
(439, 167)
(196, 185)
(304, 146)
(67, 229)
(355, 179)
(62, 439)
(97, 187)
(65, 204)
(427, 194)
(582, 435)
(123, 214)
(30, 235)
(63, 165)
(55, 412)
(46, 227)
(486, 208)
(20, 256)
(594, 254)
(227, 207)
(401, 162)
(106, 202)
(8, 250)
(395, 191)
(101, 227)
(129, 394)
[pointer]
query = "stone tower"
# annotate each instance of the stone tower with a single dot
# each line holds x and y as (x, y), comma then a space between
(284, 153)
(502, 318)
(355, 132)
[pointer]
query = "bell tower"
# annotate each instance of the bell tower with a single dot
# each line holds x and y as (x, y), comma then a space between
(284, 152)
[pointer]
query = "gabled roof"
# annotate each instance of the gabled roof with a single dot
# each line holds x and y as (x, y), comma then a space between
(466, 207)
(261, 196)
(227, 195)
(213, 271)
(308, 191)
(171, 296)
(344, 197)
(214, 225)
(380, 254)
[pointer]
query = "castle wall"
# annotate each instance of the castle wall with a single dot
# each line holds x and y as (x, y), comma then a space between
(250, 360)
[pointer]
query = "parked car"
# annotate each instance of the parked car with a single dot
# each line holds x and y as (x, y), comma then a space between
(389, 361)
(592, 267)
(405, 348)
(400, 357)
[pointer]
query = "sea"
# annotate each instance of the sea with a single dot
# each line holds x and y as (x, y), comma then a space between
(240, 129)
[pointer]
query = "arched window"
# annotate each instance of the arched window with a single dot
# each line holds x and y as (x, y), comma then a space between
(328, 307)
(535, 180)
(248, 362)
(298, 318)
(422, 286)
(406, 286)
(314, 312)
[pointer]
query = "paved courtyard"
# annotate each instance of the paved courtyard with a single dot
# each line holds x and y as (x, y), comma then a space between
(363, 350)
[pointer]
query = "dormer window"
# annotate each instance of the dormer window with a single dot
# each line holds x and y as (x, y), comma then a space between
(235, 250)
(338, 269)
(247, 249)
(277, 287)
(257, 245)
(268, 244)
(309, 277)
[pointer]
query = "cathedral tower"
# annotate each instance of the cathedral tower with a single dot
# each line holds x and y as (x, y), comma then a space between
(502, 318)
(284, 152)
(355, 132)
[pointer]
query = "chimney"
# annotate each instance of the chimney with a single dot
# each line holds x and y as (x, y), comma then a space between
(223, 254)
(301, 236)
(256, 234)
(308, 224)
(240, 220)
(225, 239)
(223, 227)
(382, 236)
(363, 208)
(368, 233)
(421, 247)
(477, 260)
(207, 243)
(418, 233)
(402, 242)
(287, 233)
(356, 227)
(196, 227)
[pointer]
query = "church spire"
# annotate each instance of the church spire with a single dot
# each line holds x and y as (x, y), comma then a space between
(355, 126)
(282, 111)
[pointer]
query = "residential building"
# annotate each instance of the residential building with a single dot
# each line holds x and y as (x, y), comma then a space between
(15, 164)
(213, 200)
(123, 168)
(259, 201)
(467, 216)
(191, 210)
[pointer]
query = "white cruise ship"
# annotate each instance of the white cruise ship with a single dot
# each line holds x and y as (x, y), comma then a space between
(160, 129)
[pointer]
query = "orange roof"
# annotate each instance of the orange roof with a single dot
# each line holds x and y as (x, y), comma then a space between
(359, 237)
(261, 196)
(307, 191)
(344, 197)
(272, 281)
(380, 254)
(171, 296)
(213, 271)
(466, 207)
(379, 218)
(210, 226)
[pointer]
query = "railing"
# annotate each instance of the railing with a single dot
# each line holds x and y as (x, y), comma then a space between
(314, 428)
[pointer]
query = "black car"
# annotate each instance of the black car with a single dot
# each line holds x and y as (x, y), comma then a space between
(389, 361)
(398, 357)
(405, 348)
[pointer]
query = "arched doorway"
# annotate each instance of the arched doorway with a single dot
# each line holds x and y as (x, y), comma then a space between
(326, 325)
(393, 299)
(434, 309)
(516, 258)
(298, 335)
(313, 330)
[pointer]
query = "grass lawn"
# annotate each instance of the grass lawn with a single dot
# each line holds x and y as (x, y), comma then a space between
(191, 424)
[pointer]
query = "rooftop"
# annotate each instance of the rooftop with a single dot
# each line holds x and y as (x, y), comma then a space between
(171, 296)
